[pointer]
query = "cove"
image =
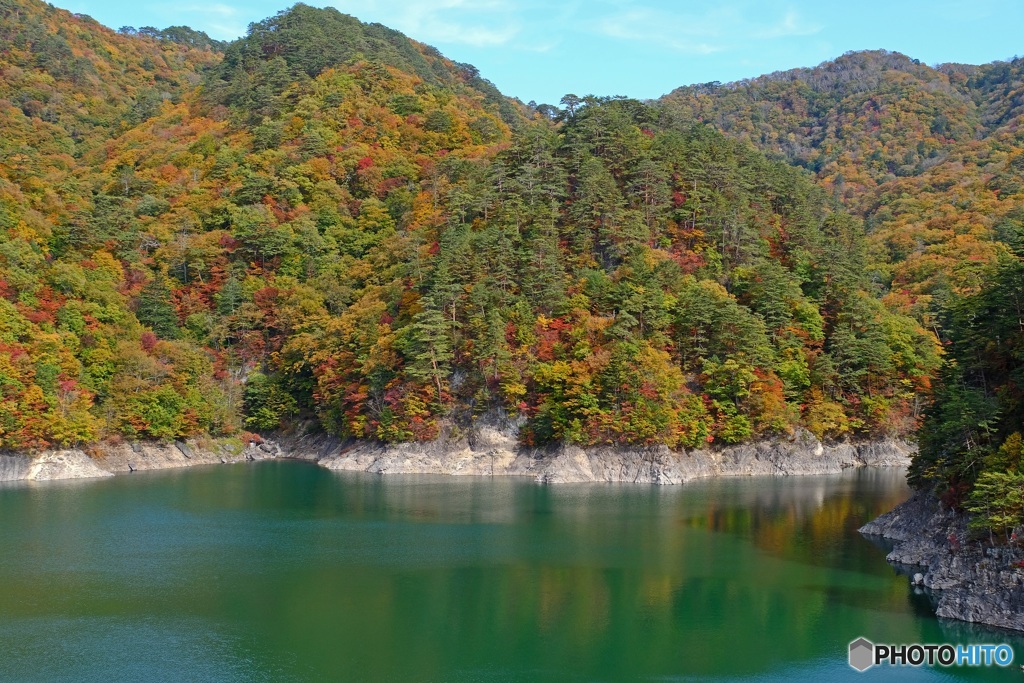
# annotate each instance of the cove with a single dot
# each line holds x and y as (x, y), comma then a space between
(283, 571)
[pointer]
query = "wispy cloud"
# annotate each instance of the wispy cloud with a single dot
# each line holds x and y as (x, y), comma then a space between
(693, 34)
(723, 28)
(215, 8)
(540, 47)
(479, 23)
(217, 19)
(790, 26)
(536, 26)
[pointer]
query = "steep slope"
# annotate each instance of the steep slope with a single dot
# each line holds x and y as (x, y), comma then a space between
(299, 44)
(114, 214)
(934, 161)
(67, 83)
(388, 273)
(930, 157)
(997, 89)
(338, 223)
(855, 122)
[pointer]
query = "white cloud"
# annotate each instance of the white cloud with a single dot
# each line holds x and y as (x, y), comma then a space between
(217, 9)
(216, 19)
(723, 28)
(542, 26)
(790, 26)
(479, 23)
(545, 46)
(682, 33)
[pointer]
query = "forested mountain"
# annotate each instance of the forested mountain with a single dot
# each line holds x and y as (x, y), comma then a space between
(68, 84)
(330, 221)
(865, 118)
(933, 160)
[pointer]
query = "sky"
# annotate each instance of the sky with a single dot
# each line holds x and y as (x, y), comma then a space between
(540, 51)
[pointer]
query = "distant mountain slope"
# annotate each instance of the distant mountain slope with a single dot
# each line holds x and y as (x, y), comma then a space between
(859, 120)
(997, 89)
(67, 82)
(930, 157)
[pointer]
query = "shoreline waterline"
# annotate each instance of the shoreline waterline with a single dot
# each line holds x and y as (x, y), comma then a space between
(487, 454)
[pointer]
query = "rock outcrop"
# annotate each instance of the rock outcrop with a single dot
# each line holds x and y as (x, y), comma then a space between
(14, 467)
(62, 464)
(140, 456)
(105, 460)
(489, 449)
(494, 451)
(966, 579)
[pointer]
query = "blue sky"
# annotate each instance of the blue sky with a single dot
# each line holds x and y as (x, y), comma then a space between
(540, 51)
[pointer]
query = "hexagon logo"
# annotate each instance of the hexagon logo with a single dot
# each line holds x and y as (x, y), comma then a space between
(862, 654)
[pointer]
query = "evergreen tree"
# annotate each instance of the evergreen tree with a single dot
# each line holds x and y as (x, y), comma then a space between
(155, 310)
(428, 349)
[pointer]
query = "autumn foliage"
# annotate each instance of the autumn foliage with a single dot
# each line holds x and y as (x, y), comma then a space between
(331, 222)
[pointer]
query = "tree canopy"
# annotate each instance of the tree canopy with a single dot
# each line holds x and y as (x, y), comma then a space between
(325, 220)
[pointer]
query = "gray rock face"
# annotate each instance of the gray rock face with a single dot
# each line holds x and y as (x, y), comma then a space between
(967, 580)
(493, 449)
(63, 464)
(14, 467)
(885, 453)
(107, 459)
(146, 455)
(490, 448)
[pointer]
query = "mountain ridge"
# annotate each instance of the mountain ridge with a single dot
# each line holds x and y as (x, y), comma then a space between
(369, 241)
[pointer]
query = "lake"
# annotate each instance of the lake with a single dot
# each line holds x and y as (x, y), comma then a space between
(283, 571)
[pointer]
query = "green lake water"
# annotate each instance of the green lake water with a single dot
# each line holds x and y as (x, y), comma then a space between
(283, 571)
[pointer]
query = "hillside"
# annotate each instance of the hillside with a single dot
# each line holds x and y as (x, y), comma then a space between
(933, 160)
(864, 118)
(68, 83)
(334, 222)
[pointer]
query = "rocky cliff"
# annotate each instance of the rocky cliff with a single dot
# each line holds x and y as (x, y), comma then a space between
(105, 460)
(966, 579)
(64, 464)
(485, 451)
(488, 450)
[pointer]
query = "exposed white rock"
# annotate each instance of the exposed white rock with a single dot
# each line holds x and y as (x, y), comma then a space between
(491, 448)
(63, 464)
(493, 451)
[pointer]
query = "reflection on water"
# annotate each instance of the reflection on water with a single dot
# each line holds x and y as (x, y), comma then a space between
(282, 571)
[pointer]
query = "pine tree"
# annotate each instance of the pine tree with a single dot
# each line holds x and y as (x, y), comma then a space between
(155, 310)
(428, 348)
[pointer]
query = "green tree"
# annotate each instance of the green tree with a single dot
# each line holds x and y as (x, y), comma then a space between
(427, 348)
(997, 503)
(267, 404)
(155, 310)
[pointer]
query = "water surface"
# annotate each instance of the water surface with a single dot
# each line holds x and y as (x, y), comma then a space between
(283, 571)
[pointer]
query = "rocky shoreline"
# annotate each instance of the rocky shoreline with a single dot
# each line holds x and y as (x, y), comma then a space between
(106, 460)
(483, 452)
(965, 579)
(492, 452)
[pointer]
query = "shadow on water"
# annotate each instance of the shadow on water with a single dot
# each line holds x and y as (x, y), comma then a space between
(883, 544)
